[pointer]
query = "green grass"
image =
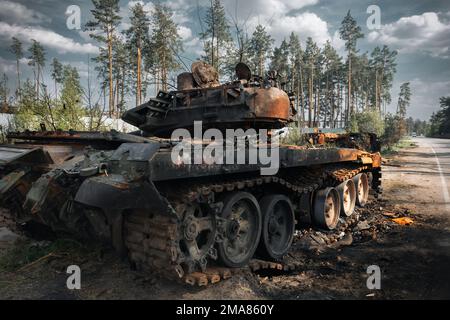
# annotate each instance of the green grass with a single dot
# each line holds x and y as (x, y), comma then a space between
(404, 143)
(26, 251)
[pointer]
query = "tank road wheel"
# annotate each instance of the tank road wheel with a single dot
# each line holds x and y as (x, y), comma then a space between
(362, 189)
(277, 227)
(347, 194)
(326, 208)
(242, 231)
(199, 233)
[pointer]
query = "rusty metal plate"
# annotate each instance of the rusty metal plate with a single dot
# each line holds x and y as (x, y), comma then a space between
(9, 154)
(269, 103)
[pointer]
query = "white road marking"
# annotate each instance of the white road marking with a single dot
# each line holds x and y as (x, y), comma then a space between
(443, 181)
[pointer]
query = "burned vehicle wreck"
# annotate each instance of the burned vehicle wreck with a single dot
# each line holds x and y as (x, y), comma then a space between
(189, 221)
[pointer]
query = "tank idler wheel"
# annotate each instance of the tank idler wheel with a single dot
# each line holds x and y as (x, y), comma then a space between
(242, 230)
(347, 194)
(326, 208)
(362, 189)
(277, 227)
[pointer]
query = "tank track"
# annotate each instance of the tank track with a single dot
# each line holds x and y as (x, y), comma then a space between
(153, 239)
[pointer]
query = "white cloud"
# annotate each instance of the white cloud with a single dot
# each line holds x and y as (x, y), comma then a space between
(185, 32)
(265, 10)
(194, 46)
(13, 12)
(337, 42)
(84, 34)
(305, 24)
(419, 33)
(280, 17)
(47, 38)
(24, 61)
(7, 66)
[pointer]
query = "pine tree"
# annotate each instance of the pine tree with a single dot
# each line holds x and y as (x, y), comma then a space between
(311, 56)
(4, 92)
(404, 99)
(259, 49)
(332, 65)
(359, 81)
(37, 61)
(102, 68)
(138, 39)
(121, 70)
(296, 71)
(71, 95)
(167, 43)
(280, 62)
(216, 35)
(383, 63)
(57, 74)
(103, 26)
(350, 32)
(16, 49)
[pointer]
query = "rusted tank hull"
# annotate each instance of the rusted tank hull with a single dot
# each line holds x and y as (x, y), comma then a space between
(100, 193)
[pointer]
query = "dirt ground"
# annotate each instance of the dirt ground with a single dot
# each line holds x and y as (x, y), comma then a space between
(414, 259)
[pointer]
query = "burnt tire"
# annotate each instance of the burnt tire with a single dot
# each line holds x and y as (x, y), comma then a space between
(327, 207)
(242, 231)
(278, 226)
(362, 189)
(347, 194)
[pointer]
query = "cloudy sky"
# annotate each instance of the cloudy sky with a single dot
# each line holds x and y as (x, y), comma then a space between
(419, 30)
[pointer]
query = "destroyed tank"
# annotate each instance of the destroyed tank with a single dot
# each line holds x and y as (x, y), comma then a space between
(191, 220)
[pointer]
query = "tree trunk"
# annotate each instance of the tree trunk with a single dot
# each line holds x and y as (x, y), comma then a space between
(380, 86)
(349, 98)
(317, 107)
(117, 92)
(333, 109)
(260, 71)
(301, 94)
(38, 85)
(18, 80)
(139, 86)
(111, 94)
(311, 79)
(122, 92)
(164, 73)
(328, 104)
(213, 35)
(104, 98)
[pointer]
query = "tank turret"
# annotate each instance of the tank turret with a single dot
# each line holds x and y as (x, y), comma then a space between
(249, 102)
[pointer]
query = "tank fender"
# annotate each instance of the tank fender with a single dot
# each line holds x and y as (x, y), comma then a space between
(113, 192)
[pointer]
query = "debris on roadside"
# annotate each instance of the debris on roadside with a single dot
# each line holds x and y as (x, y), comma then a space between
(389, 214)
(389, 163)
(362, 225)
(404, 221)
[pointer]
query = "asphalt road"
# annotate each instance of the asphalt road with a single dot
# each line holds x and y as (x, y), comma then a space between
(420, 180)
(424, 172)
